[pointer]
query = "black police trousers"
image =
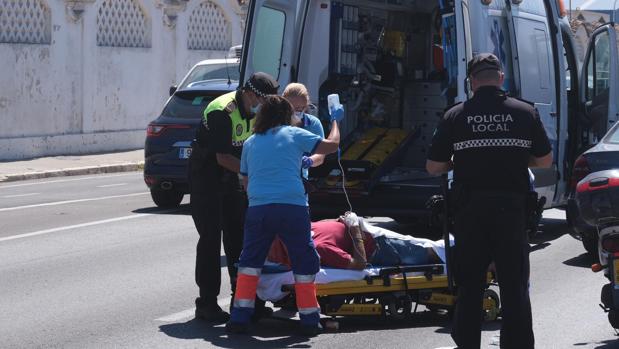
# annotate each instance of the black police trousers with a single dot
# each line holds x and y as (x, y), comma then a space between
(491, 227)
(218, 206)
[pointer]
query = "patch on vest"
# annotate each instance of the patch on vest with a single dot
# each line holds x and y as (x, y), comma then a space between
(239, 130)
(231, 107)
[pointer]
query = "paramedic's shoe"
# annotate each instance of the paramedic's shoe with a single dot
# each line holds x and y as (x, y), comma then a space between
(236, 328)
(261, 313)
(212, 314)
(310, 330)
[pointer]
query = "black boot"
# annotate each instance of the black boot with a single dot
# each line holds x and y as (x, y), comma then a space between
(211, 312)
(261, 310)
(310, 330)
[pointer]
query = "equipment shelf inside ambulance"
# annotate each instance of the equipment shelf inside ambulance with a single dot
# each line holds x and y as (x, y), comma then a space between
(387, 64)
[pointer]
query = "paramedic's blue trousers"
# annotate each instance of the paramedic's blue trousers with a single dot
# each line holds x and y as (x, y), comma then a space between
(292, 224)
(491, 227)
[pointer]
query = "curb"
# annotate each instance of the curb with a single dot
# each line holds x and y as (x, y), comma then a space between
(76, 171)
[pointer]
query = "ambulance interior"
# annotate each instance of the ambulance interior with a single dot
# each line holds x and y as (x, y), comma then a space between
(387, 63)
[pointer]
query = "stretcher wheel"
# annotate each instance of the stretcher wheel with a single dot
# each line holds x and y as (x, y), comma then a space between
(493, 313)
(397, 308)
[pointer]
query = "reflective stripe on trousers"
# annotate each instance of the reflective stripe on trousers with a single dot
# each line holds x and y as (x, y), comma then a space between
(246, 285)
(305, 291)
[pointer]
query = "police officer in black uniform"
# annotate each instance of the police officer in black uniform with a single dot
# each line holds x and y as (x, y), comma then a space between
(218, 202)
(489, 142)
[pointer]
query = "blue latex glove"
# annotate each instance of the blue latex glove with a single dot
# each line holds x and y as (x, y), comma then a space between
(337, 113)
(306, 162)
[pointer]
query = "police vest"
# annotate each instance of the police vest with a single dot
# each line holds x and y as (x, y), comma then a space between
(241, 128)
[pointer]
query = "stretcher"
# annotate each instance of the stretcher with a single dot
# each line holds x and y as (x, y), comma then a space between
(392, 293)
(368, 158)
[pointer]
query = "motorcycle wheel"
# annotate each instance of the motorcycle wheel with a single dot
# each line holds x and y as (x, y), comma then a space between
(590, 243)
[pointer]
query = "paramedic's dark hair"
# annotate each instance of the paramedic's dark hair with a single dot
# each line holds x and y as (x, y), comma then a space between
(487, 75)
(275, 111)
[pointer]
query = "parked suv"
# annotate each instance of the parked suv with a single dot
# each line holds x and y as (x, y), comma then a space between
(603, 156)
(169, 137)
(210, 69)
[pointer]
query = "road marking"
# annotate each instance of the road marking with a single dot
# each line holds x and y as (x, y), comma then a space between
(66, 180)
(89, 224)
(19, 195)
(68, 227)
(190, 313)
(56, 203)
(111, 185)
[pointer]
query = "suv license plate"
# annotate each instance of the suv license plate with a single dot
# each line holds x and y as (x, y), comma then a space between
(184, 153)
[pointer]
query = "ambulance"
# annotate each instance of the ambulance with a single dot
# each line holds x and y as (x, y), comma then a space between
(398, 64)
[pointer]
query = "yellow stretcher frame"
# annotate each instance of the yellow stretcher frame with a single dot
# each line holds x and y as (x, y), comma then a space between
(430, 289)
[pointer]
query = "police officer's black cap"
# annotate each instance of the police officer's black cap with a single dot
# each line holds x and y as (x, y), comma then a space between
(262, 84)
(482, 62)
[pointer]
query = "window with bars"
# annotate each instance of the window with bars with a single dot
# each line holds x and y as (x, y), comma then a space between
(122, 23)
(25, 22)
(208, 28)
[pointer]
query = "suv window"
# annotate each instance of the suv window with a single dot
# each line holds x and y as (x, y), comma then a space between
(212, 72)
(187, 105)
(613, 136)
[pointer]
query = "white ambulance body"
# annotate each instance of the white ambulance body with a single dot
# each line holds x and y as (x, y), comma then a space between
(384, 58)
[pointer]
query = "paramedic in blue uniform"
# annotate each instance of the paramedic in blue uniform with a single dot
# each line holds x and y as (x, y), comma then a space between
(271, 167)
(489, 142)
(218, 202)
(298, 96)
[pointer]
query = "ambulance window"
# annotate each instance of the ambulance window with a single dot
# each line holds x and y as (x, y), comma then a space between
(598, 68)
(268, 41)
(598, 83)
(602, 63)
(542, 58)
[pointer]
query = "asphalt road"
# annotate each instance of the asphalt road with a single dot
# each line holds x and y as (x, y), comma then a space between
(88, 262)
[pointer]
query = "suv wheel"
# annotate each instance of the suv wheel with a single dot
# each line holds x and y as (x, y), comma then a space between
(166, 198)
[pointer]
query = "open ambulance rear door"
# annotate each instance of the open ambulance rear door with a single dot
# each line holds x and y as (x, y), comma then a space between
(599, 83)
(538, 67)
(272, 38)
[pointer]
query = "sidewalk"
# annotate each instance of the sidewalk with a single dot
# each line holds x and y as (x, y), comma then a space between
(58, 166)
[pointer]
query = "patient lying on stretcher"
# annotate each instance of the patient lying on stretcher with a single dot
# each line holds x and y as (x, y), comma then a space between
(350, 243)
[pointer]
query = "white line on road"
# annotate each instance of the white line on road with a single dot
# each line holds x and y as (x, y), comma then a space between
(55, 203)
(66, 180)
(89, 224)
(111, 185)
(54, 230)
(19, 195)
(189, 313)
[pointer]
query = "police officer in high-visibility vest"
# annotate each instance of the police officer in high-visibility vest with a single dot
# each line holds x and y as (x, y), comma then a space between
(218, 202)
(490, 141)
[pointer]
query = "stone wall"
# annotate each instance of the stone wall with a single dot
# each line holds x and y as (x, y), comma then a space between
(86, 76)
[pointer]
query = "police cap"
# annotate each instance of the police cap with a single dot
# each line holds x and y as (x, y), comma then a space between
(484, 61)
(262, 84)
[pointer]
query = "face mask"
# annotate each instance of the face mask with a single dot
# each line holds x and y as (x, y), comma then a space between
(256, 109)
(297, 117)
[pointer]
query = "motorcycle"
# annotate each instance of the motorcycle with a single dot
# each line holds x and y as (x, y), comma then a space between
(597, 197)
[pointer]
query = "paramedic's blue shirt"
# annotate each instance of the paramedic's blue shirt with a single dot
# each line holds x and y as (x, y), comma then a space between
(312, 124)
(272, 161)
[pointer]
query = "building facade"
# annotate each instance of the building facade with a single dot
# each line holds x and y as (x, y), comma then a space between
(86, 76)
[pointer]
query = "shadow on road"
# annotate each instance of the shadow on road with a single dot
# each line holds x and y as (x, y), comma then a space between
(181, 210)
(550, 229)
(584, 261)
(607, 344)
(267, 334)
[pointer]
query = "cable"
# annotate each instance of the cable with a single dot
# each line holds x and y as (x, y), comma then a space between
(339, 162)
